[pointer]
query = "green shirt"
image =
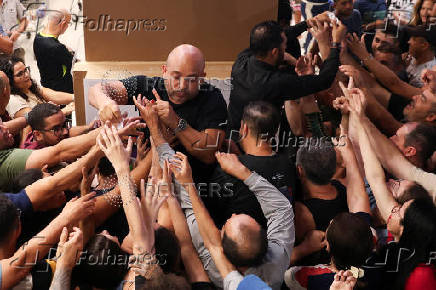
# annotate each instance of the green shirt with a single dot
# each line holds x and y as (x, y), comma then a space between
(12, 163)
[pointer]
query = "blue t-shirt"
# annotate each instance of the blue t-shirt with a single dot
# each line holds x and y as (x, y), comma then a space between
(21, 202)
(371, 10)
(353, 23)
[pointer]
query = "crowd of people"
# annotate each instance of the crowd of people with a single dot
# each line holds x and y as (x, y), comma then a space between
(318, 173)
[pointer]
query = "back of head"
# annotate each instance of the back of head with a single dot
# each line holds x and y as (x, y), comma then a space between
(247, 248)
(262, 119)
(105, 264)
(264, 37)
(165, 281)
(318, 161)
(350, 240)
(167, 250)
(284, 13)
(25, 178)
(423, 139)
(36, 117)
(56, 17)
(415, 191)
(8, 218)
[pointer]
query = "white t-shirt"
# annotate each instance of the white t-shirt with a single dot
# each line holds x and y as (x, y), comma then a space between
(414, 71)
(11, 12)
(16, 103)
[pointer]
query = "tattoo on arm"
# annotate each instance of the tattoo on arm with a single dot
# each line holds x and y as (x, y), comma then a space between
(61, 279)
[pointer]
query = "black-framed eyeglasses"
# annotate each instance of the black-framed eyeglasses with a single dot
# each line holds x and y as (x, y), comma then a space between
(21, 73)
(57, 130)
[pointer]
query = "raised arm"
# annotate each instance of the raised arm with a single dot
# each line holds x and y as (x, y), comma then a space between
(373, 171)
(276, 208)
(19, 265)
(141, 227)
(193, 266)
(41, 192)
(56, 97)
(105, 97)
(209, 232)
(357, 199)
(387, 77)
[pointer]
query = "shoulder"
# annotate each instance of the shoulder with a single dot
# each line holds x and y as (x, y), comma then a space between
(210, 95)
(422, 277)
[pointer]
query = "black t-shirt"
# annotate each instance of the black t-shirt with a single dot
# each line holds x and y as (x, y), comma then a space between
(255, 80)
(396, 106)
(54, 63)
(234, 196)
(206, 111)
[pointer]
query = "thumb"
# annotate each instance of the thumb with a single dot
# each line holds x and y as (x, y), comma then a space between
(64, 236)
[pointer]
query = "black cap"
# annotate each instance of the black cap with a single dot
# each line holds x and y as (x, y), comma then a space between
(427, 32)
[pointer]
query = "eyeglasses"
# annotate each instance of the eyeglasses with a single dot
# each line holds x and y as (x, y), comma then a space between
(23, 72)
(395, 209)
(57, 130)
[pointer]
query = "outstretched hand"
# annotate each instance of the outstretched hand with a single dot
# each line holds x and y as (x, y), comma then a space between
(110, 143)
(230, 164)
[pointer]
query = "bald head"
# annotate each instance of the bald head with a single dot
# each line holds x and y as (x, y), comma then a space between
(244, 241)
(183, 72)
(58, 21)
(187, 56)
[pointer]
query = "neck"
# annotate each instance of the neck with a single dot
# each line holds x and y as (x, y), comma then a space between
(256, 147)
(424, 57)
(6, 251)
(268, 60)
(51, 31)
(315, 190)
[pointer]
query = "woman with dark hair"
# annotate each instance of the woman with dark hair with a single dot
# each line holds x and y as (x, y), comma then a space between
(25, 93)
(412, 224)
(422, 12)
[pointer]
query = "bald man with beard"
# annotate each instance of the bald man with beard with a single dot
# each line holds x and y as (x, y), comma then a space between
(191, 112)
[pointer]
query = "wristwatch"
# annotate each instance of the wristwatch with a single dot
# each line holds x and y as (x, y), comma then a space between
(182, 125)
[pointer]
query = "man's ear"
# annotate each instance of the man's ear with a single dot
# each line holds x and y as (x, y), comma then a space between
(300, 171)
(275, 51)
(37, 135)
(430, 117)
(409, 151)
(164, 68)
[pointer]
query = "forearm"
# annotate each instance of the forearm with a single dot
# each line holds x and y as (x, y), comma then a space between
(387, 153)
(208, 230)
(79, 130)
(191, 261)
(97, 97)
(375, 176)
(56, 97)
(61, 279)
(356, 195)
(276, 209)
(25, 257)
(74, 147)
(16, 125)
(380, 115)
(141, 230)
(324, 49)
(201, 145)
(6, 45)
(23, 25)
(388, 78)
